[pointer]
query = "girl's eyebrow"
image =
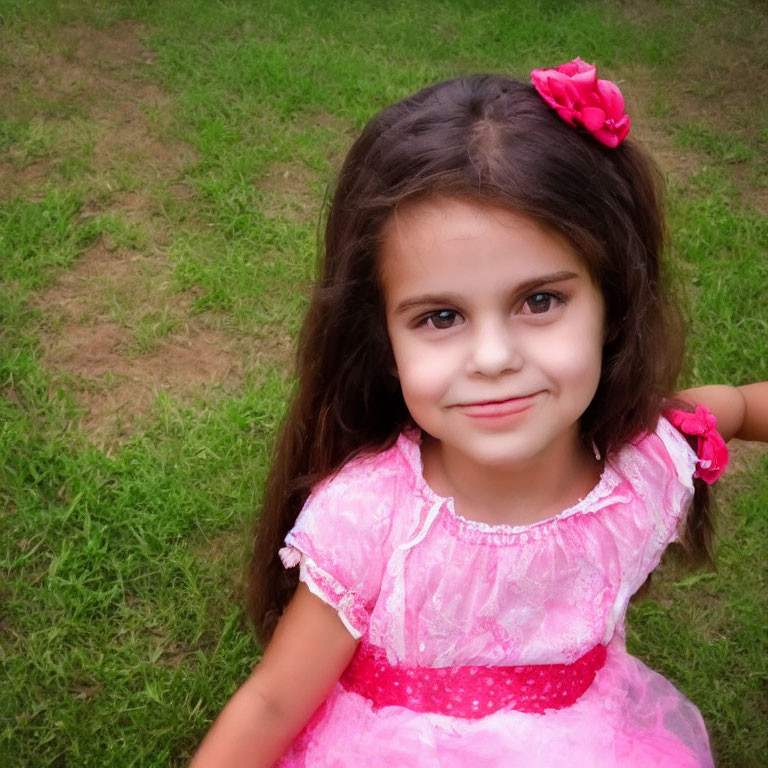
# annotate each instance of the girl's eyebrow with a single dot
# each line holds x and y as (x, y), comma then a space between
(433, 299)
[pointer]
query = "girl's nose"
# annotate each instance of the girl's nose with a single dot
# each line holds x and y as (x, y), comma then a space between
(494, 350)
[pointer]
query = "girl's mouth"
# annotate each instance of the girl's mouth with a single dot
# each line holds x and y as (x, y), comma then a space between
(497, 409)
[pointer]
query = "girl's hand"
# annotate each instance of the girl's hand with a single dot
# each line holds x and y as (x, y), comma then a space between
(309, 651)
(741, 412)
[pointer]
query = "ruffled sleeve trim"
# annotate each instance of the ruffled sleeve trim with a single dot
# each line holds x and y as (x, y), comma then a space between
(349, 605)
(670, 509)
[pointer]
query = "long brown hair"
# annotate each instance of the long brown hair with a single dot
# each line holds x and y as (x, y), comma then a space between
(493, 139)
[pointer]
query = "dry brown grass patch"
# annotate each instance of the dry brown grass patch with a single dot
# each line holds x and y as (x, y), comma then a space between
(639, 90)
(724, 90)
(126, 118)
(118, 388)
(96, 310)
(114, 322)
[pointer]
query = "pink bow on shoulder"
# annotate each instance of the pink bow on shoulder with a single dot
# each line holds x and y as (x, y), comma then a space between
(711, 448)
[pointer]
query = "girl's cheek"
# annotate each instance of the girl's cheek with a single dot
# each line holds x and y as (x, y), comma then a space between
(574, 354)
(426, 374)
(425, 371)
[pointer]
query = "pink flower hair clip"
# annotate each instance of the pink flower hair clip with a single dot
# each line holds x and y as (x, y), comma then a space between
(711, 448)
(573, 90)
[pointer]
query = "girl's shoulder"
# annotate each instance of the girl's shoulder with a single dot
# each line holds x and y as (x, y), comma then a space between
(657, 471)
(374, 474)
(662, 454)
(370, 492)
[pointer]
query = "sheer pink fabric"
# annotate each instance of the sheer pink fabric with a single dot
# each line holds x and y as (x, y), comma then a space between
(432, 589)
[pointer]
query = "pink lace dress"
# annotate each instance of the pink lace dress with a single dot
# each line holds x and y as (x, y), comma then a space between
(425, 588)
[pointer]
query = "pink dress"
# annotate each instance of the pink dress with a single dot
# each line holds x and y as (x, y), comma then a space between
(411, 577)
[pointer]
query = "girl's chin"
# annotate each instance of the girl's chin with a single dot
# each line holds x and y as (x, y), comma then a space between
(510, 449)
(494, 454)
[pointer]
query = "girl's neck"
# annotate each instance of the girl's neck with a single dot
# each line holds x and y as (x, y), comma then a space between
(516, 494)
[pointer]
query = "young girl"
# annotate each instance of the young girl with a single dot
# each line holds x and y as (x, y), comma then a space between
(483, 461)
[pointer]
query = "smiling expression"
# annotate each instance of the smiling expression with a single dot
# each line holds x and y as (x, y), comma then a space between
(496, 328)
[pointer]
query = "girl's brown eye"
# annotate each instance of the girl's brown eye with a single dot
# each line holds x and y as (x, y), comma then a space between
(539, 303)
(444, 318)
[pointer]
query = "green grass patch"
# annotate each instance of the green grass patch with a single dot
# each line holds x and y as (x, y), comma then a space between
(719, 146)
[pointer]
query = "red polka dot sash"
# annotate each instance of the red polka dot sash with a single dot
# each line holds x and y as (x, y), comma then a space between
(470, 691)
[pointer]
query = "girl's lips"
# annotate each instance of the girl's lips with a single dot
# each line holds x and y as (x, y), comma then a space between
(497, 408)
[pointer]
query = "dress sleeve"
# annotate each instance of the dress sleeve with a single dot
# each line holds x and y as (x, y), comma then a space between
(668, 486)
(339, 541)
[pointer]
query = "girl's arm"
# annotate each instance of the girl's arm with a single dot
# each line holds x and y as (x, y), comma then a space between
(741, 412)
(306, 656)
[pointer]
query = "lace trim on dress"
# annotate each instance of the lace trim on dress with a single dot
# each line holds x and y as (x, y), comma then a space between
(348, 604)
(503, 535)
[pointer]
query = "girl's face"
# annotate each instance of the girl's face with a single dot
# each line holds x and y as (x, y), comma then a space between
(496, 328)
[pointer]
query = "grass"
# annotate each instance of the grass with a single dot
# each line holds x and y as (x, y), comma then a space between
(198, 139)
